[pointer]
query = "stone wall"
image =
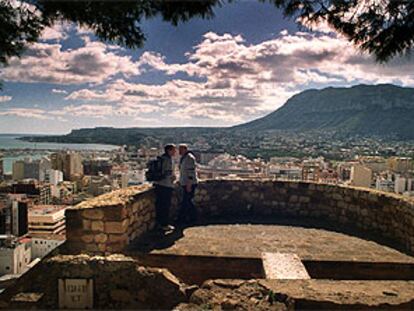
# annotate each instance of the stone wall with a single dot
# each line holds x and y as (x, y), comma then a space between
(119, 282)
(108, 223)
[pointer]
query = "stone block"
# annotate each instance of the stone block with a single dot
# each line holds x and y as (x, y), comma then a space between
(293, 199)
(341, 204)
(337, 197)
(91, 247)
(136, 207)
(293, 185)
(116, 226)
(88, 238)
(74, 234)
(115, 213)
(86, 224)
(97, 225)
(115, 238)
(93, 214)
(116, 247)
(101, 238)
(102, 247)
(120, 295)
(147, 217)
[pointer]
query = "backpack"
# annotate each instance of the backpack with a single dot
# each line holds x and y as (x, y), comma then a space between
(154, 170)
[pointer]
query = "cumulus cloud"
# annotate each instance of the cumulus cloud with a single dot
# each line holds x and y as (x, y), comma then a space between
(94, 62)
(245, 80)
(95, 111)
(26, 113)
(5, 98)
(57, 32)
(86, 94)
(298, 58)
(224, 79)
(59, 91)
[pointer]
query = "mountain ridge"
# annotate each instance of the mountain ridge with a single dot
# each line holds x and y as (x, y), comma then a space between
(383, 109)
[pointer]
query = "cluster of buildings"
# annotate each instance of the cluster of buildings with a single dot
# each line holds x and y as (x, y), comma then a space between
(393, 174)
(223, 165)
(36, 192)
(28, 232)
(35, 195)
(33, 200)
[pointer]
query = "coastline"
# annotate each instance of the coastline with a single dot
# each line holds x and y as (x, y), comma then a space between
(13, 148)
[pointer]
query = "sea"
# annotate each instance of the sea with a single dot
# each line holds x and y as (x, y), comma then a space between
(11, 141)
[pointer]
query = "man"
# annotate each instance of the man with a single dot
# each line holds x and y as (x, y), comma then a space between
(164, 189)
(188, 182)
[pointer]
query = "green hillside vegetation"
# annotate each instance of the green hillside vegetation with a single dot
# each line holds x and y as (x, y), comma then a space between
(381, 110)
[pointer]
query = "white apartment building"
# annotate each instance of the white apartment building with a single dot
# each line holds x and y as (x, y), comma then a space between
(135, 177)
(404, 185)
(44, 244)
(47, 219)
(15, 255)
(53, 177)
(236, 166)
(384, 184)
(289, 172)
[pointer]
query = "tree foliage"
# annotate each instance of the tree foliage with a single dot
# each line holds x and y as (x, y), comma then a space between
(384, 28)
(22, 22)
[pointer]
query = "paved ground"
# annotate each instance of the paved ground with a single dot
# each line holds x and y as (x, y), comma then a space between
(251, 240)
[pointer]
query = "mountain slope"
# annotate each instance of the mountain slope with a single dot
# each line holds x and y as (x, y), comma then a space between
(366, 110)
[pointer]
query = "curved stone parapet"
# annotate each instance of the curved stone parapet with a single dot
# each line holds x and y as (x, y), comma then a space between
(109, 222)
(384, 216)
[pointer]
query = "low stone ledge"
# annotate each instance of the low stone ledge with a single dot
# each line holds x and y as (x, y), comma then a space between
(114, 198)
(109, 222)
(119, 282)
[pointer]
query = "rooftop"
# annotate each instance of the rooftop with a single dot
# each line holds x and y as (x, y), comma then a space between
(38, 210)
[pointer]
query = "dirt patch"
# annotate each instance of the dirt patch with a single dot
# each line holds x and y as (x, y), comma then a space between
(235, 295)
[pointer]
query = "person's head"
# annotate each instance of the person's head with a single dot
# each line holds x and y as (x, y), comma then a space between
(170, 149)
(182, 149)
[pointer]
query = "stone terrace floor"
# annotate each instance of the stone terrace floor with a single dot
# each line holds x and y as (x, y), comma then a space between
(246, 240)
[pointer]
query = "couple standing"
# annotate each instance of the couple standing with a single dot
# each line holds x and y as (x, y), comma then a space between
(187, 213)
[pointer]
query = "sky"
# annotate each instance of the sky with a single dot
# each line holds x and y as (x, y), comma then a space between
(241, 65)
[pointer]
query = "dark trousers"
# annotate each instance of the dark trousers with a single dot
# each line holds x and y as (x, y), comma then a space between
(187, 213)
(163, 204)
